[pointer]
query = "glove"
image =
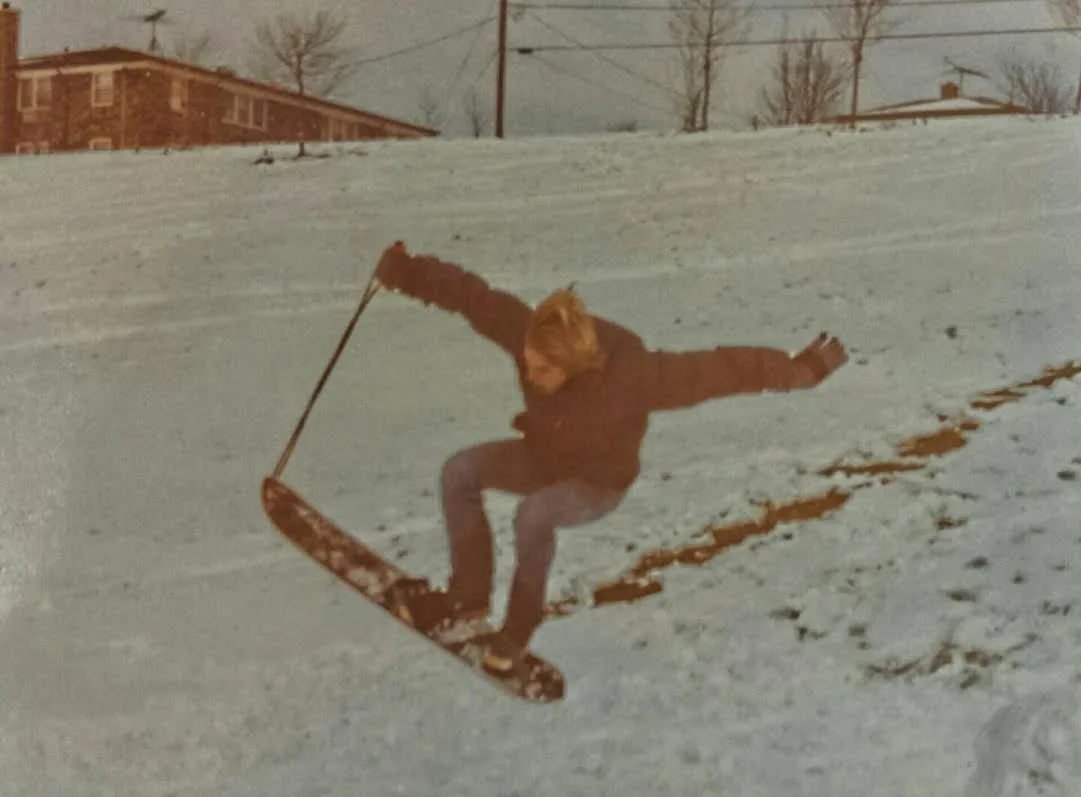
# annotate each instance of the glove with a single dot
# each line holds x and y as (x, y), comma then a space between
(389, 270)
(821, 358)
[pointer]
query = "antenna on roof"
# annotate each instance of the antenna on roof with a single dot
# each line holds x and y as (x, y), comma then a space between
(961, 71)
(153, 18)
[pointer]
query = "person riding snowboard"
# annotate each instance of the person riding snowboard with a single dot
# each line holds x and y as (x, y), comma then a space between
(589, 386)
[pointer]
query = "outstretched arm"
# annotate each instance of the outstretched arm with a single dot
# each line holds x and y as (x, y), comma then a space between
(499, 316)
(675, 380)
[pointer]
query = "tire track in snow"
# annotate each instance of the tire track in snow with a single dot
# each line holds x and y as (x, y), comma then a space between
(98, 304)
(990, 229)
(90, 336)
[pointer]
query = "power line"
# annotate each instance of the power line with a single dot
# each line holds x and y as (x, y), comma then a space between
(756, 8)
(529, 50)
(601, 86)
(487, 66)
(449, 100)
(469, 52)
(606, 59)
(421, 45)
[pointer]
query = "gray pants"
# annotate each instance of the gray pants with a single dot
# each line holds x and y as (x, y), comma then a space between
(507, 466)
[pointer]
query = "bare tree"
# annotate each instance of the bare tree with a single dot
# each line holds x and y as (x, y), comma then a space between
(478, 118)
(303, 53)
(701, 29)
(429, 109)
(193, 48)
(859, 23)
(1068, 13)
(1038, 86)
(806, 84)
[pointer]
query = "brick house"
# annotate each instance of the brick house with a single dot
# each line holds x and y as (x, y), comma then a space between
(949, 105)
(117, 98)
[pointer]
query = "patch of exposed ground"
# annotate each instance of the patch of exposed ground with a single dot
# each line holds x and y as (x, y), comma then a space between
(914, 454)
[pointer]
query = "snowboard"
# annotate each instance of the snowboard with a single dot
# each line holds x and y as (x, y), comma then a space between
(535, 679)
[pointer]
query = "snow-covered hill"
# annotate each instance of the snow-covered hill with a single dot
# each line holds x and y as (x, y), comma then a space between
(902, 622)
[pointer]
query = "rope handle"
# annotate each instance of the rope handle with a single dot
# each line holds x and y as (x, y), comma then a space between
(370, 290)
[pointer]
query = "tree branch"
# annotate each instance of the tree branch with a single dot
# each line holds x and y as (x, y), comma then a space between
(303, 52)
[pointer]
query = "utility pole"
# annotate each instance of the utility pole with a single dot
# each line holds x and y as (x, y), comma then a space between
(501, 78)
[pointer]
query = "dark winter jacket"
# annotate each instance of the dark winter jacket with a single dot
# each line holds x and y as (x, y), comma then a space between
(592, 428)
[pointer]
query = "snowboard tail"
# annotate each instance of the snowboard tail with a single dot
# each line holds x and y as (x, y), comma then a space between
(373, 577)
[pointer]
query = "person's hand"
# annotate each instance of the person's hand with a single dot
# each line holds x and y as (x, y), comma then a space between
(387, 270)
(819, 359)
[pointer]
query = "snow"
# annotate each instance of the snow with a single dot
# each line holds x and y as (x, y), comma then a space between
(163, 320)
(954, 104)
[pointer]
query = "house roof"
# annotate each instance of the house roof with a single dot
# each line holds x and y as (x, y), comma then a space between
(946, 105)
(103, 56)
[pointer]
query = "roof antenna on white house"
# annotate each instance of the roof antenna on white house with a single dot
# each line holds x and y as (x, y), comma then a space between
(961, 71)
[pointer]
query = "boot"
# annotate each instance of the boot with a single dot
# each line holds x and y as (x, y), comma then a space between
(525, 612)
(470, 582)
(428, 609)
(502, 653)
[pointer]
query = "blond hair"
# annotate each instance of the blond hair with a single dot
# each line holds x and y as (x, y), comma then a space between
(564, 333)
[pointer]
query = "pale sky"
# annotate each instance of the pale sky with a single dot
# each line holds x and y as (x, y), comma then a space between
(541, 100)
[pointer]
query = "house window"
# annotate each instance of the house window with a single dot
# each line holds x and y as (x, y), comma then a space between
(100, 143)
(101, 89)
(35, 93)
(178, 97)
(340, 130)
(247, 112)
(344, 129)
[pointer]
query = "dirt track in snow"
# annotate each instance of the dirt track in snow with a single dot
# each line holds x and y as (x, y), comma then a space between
(914, 454)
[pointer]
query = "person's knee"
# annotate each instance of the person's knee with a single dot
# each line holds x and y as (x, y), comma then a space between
(460, 473)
